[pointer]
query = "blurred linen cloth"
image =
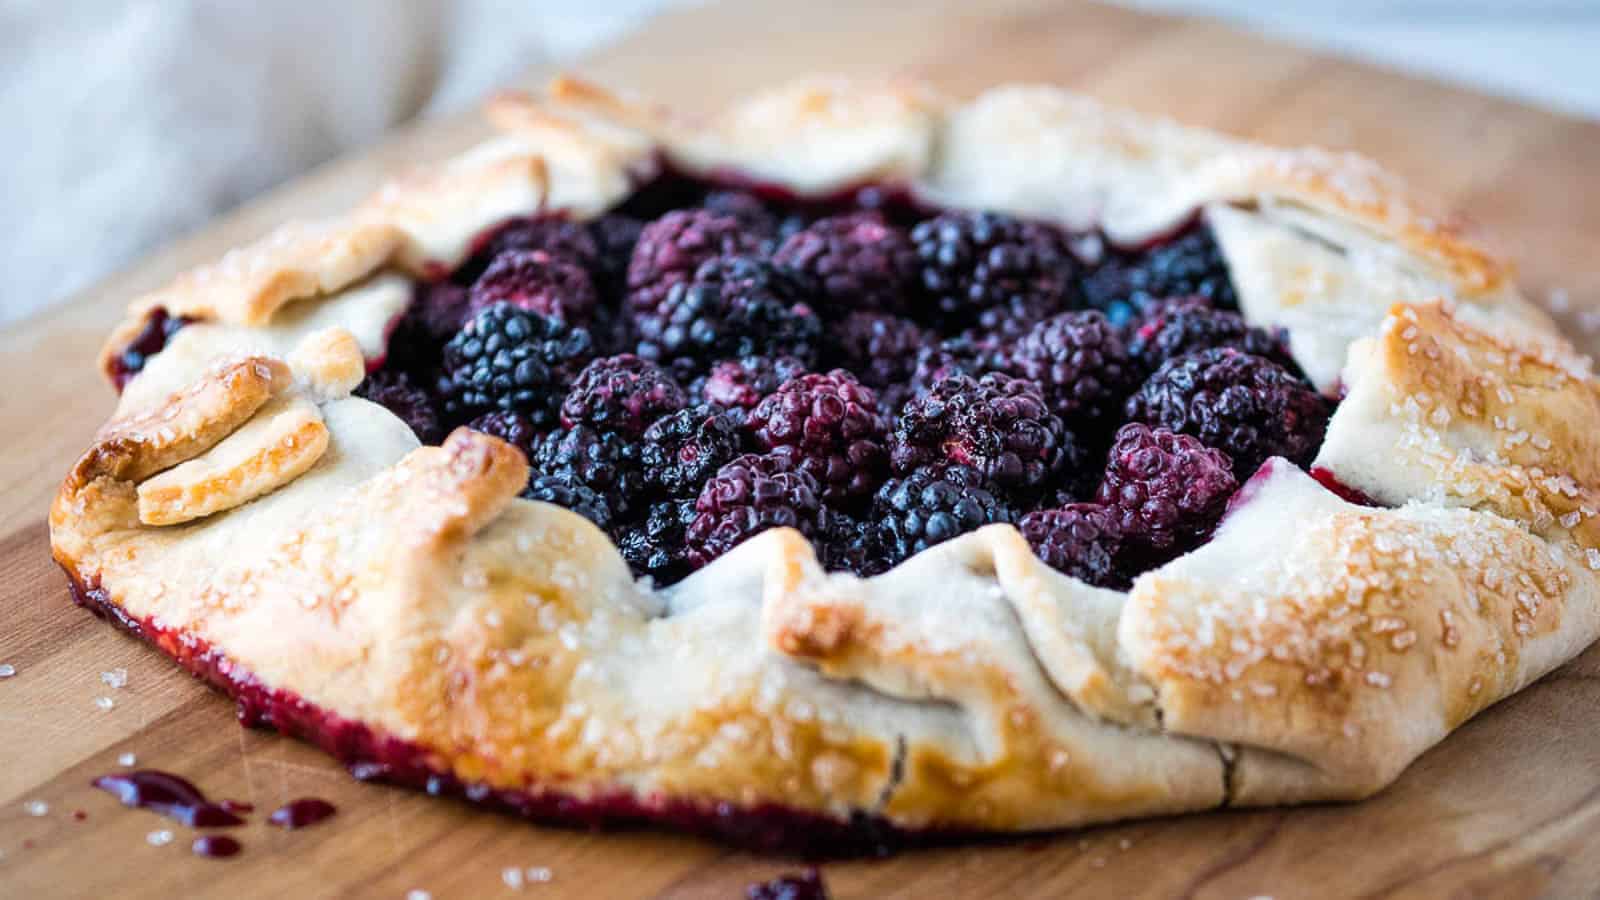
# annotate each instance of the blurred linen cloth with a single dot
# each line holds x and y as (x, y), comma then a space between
(128, 122)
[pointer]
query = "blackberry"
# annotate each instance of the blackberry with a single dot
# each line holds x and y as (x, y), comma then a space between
(396, 392)
(858, 260)
(832, 425)
(965, 355)
(1079, 539)
(537, 281)
(997, 424)
(654, 547)
(933, 504)
(621, 394)
(615, 235)
(555, 235)
(437, 312)
(565, 490)
(671, 248)
(1166, 490)
(848, 544)
(882, 350)
(1125, 285)
(747, 496)
(514, 428)
(1190, 324)
(683, 449)
(1248, 407)
(607, 464)
(742, 383)
(733, 307)
(975, 261)
(513, 359)
(1078, 359)
(756, 217)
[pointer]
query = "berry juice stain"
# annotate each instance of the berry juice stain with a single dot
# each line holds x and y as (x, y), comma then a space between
(168, 795)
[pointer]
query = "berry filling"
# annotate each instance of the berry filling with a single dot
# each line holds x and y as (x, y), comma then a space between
(713, 359)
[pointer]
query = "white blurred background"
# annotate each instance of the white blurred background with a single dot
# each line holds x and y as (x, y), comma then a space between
(131, 121)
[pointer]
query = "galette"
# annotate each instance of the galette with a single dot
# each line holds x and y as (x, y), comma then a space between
(854, 467)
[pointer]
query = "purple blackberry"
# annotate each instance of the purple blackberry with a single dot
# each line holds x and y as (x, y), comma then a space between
(1248, 407)
(933, 504)
(1190, 324)
(555, 235)
(756, 217)
(607, 464)
(513, 359)
(683, 449)
(1166, 490)
(514, 428)
(832, 425)
(1080, 539)
(1079, 361)
(621, 394)
(733, 307)
(396, 392)
(743, 383)
(808, 885)
(565, 490)
(671, 248)
(654, 547)
(538, 281)
(747, 496)
(882, 350)
(437, 311)
(975, 261)
(858, 260)
(957, 356)
(996, 424)
(1125, 285)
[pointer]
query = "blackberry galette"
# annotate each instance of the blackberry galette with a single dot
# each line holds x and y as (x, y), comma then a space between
(852, 467)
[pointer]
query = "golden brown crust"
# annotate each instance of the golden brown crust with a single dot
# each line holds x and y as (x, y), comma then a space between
(1309, 652)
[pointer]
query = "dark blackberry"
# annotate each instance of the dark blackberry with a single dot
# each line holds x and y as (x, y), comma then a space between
(975, 261)
(514, 428)
(1125, 285)
(438, 310)
(654, 547)
(848, 544)
(740, 384)
(607, 464)
(1078, 359)
(858, 260)
(933, 504)
(756, 217)
(514, 359)
(622, 394)
(1166, 490)
(881, 349)
(615, 235)
(997, 424)
(537, 281)
(733, 307)
(553, 234)
(966, 355)
(747, 496)
(565, 490)
(1190, 324)
(396, 392)
(835, 430)
(1080, 539)
(681, 450)
(671, 248)
(807, 885)
(1248, 407)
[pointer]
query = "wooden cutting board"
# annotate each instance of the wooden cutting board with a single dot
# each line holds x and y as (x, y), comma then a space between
(1508, 806)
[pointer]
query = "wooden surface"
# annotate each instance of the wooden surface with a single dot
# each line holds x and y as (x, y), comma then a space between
(1508, 806)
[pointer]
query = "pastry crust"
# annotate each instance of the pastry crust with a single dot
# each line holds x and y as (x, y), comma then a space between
(1310, 651)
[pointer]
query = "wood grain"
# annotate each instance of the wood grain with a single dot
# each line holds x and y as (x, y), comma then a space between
(1507, 806)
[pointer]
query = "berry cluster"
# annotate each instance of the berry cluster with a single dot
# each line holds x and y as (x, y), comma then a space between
(702, 364)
